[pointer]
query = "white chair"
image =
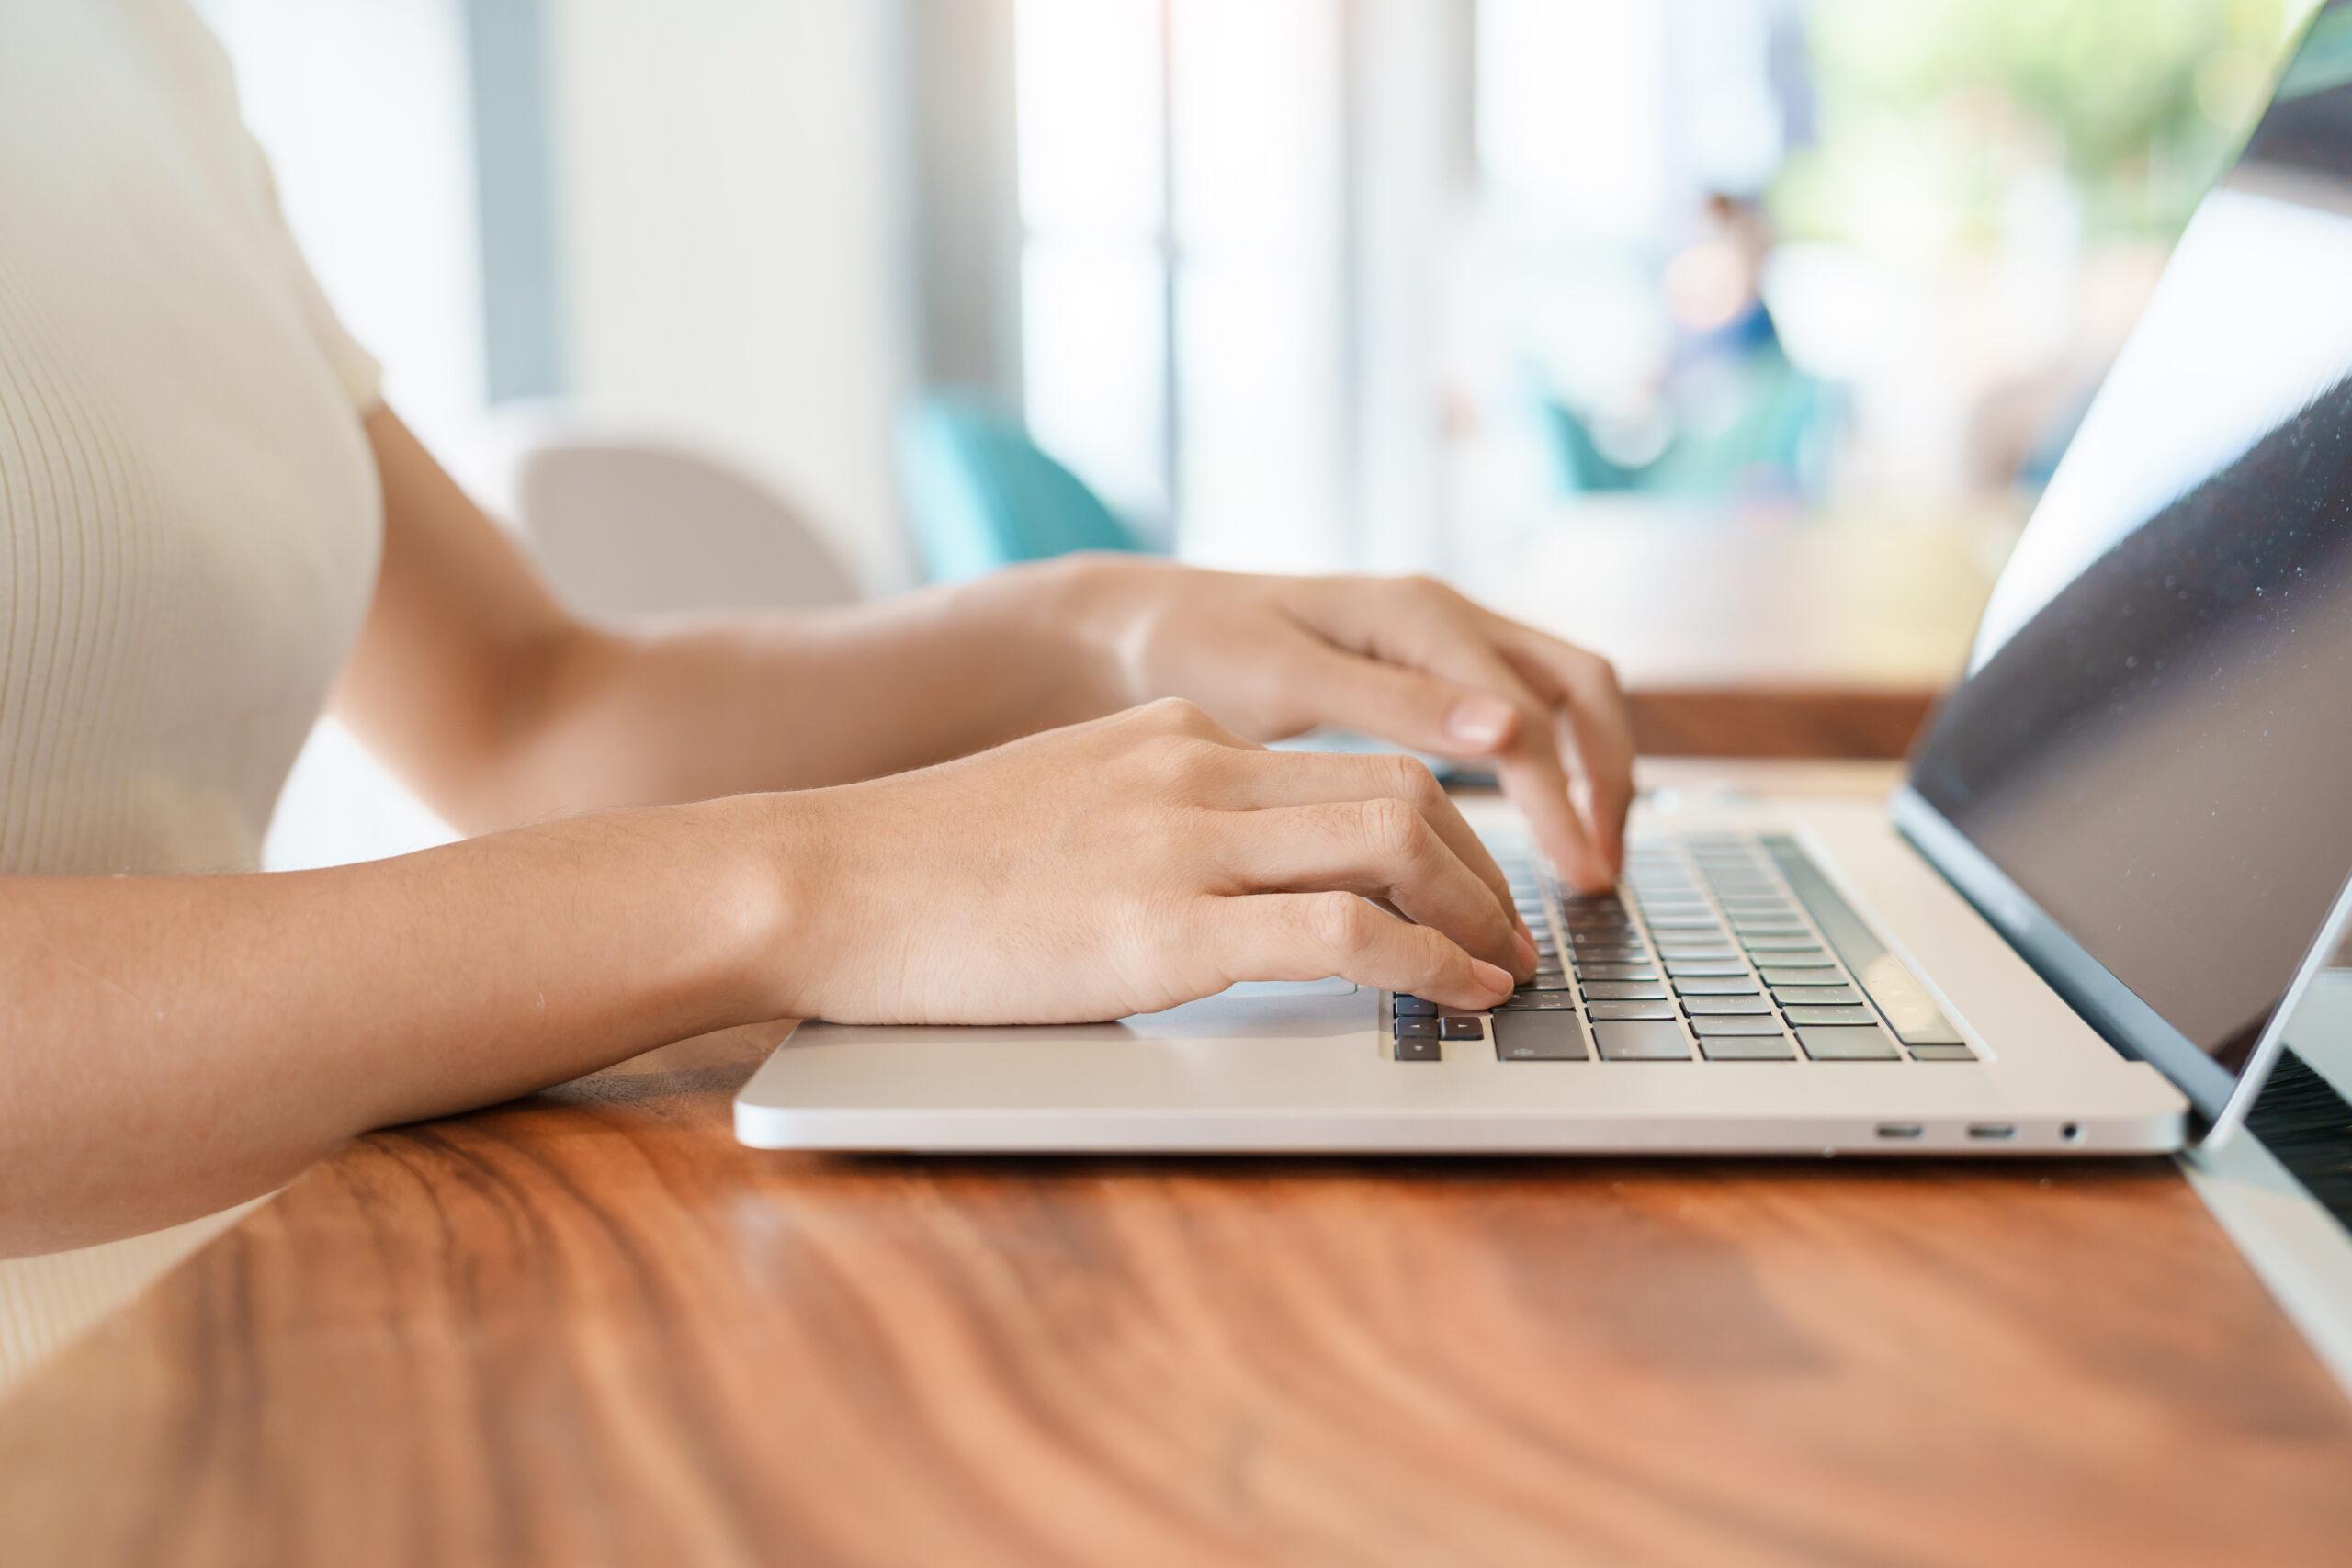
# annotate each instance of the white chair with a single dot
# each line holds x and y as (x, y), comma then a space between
(626, 526)
(629, 523)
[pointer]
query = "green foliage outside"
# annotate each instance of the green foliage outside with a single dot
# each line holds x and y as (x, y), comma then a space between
(1934, 113)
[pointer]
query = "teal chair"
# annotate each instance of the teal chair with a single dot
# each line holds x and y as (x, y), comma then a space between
(981, 495)
(1783, 423)
(1578, 465)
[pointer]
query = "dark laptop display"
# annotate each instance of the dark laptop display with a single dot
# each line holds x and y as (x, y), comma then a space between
(2154, 742)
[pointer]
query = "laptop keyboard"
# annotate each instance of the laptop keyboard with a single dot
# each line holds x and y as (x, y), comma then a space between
(1717, 947)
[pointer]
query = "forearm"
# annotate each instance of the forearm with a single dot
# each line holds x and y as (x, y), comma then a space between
(747, 702)
(170, 1045)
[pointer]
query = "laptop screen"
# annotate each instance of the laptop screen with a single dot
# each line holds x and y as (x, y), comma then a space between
(2153, 743)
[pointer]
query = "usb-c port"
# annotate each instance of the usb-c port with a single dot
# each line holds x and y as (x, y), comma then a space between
(1899, 1130)
(1994, 1130)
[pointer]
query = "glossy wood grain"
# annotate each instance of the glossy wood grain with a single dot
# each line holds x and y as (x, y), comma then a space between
(1736, 720)
(588, 1328)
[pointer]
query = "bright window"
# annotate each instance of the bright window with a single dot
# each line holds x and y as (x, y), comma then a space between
(1183, 298)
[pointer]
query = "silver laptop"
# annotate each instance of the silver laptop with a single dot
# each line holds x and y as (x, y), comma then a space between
(2120, 852)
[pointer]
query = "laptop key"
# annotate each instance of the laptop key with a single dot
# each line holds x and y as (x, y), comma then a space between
(1879, 973)
(1415, 1006)
(1849, 1045)
(1707, 1024)
(1941, 1053)
(1462, 1029)
(1686, 951)
(1641, 1042)
(1855, 1015)
(1419, 1050)
(1417, 1029)
(1782, 945)
(1618, 972)
(1547, 980)
(1539, 1002)
(1716, 986)
(1705, 968)
(1816, 996)
(1615, 1011)
(1699, 1006)
(1759, 1047)
(1623, 992)
(1779, 973)
(1540, 1037)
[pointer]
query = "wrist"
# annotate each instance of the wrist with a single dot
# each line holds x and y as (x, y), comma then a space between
(1102, 602)
(1089, 609)
(754, 882)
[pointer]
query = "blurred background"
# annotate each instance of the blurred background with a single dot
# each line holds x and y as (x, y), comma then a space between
(783, 301)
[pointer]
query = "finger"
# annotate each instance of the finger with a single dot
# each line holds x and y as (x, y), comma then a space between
(1380, 848)
(1427, 628)
(1596, 720)
(1413, 709)
(1312, 936)
(1538, 785)
(1304, 778)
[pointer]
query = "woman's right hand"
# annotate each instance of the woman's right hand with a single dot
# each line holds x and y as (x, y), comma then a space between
(1127, 865)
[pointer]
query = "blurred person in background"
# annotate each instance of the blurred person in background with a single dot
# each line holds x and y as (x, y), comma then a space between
(211, 529)
(1714, 286)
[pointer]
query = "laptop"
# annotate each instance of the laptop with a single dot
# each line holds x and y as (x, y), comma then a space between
(2119, 854)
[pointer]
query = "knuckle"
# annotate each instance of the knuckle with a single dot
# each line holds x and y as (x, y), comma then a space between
(1391, 828)
(1179, 714)
(1598, 673)
(1184, 763)
(1335, 921)
(1411, 778)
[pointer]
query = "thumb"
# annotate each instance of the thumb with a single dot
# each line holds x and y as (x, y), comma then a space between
(1410, 707)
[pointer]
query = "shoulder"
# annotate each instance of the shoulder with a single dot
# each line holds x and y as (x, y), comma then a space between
(186, 76)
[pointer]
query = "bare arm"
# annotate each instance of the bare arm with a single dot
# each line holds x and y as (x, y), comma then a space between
(499, 707)
(168, 1045)
(176, 1043)
(172, 1044)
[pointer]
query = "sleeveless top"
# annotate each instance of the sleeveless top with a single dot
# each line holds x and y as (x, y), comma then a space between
(189, 518)
(189, 515)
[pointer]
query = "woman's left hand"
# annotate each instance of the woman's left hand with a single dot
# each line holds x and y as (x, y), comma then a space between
(1407, 660)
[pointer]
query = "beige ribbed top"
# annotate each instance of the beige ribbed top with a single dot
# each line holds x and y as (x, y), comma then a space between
(188, 515)
(190, 519)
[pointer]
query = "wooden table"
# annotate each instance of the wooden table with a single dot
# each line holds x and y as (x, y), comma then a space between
(586, 1327)
(1764, 632)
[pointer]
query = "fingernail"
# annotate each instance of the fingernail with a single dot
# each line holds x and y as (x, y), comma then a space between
(1479, 721)
(1526, 950)
(1494, 979)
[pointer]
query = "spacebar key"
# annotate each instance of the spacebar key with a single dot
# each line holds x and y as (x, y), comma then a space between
(1537, 1037)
